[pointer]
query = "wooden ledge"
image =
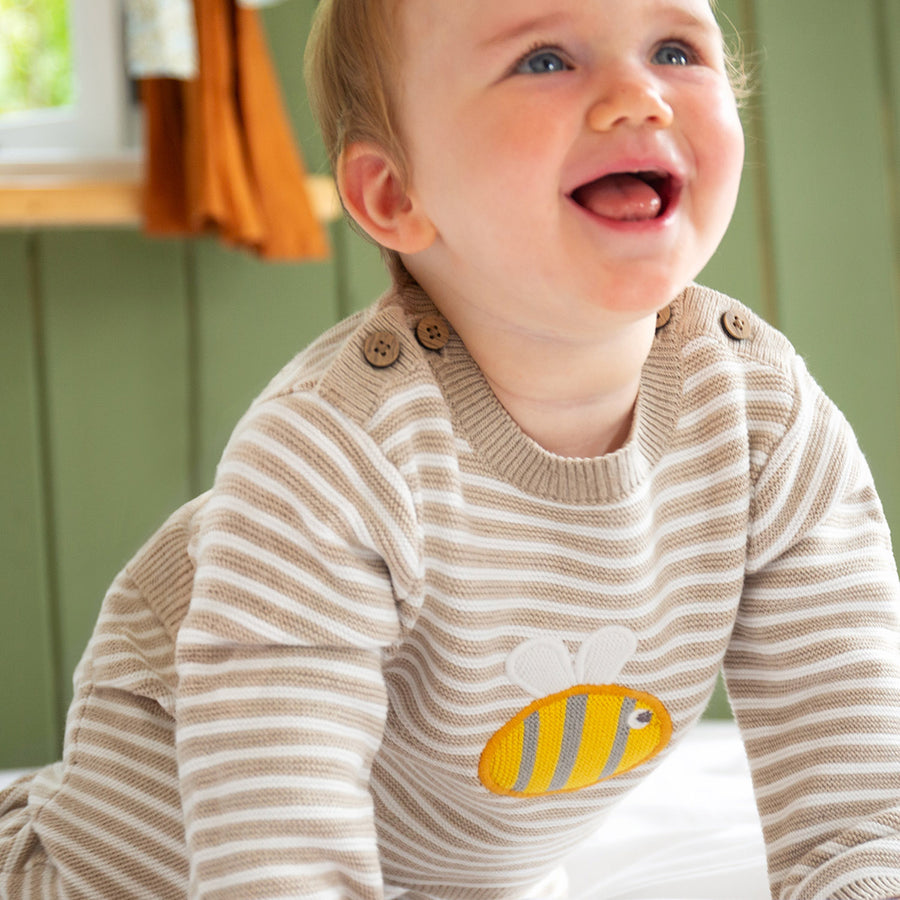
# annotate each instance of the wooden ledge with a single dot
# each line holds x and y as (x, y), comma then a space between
(32, 200)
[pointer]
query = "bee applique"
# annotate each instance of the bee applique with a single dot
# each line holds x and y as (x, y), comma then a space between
(583, 728)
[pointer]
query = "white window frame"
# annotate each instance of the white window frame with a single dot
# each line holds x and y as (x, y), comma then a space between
(103, 124)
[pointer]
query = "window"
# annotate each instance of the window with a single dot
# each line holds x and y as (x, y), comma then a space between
(35, 56)
(64, 94)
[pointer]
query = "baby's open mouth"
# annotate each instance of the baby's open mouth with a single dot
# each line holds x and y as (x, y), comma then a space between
(628, 196)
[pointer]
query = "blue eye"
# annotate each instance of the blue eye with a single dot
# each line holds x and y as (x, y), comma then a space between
(672, 55)
(541, 62)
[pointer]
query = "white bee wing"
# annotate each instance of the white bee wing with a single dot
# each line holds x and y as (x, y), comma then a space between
(541, 666)
(603, 654)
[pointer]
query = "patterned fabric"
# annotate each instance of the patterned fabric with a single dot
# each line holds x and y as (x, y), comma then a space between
(161, 37)
(293, 688)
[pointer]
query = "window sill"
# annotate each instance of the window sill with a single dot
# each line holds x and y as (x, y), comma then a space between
(99, 194)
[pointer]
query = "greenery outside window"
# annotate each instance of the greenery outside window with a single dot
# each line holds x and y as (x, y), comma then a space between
(64, 94)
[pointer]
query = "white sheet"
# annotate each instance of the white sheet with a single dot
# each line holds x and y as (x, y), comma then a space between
(7, 776)
(689, 832)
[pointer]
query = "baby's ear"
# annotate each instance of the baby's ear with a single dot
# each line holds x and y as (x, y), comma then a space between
(375, 196)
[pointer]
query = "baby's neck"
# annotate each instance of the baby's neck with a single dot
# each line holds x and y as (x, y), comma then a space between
(575, 399)
(567, 369)
(576, 429)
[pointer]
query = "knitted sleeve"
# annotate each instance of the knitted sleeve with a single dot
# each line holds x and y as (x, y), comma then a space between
(281, 699)
(813, 668)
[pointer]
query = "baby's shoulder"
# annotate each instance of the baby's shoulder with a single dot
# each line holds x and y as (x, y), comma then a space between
(358, 367)
(708, 316)
(732, 357)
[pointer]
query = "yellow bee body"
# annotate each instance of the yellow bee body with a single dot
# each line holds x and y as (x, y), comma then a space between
(573, 739)
(577, 736)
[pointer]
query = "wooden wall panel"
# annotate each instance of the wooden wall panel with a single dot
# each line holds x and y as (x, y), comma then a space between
(28, 710)
(117, 391)
(362, 276)
(887, 26)
(252, 318)
(888, 47)
(833, 243)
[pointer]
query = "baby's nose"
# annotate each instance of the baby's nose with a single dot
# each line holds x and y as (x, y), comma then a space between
(629, 100)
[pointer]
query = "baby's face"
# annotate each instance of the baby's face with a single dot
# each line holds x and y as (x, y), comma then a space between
(586, 149)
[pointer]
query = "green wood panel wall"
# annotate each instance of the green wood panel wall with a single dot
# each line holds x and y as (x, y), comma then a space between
(126, 361)
(251, 318)
(824, 100)
(28, 706)
(117, 408)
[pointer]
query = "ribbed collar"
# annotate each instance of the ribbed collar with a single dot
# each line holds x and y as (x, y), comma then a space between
(480, 418)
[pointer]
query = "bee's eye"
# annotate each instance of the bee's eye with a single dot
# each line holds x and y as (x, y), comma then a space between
(640, 718)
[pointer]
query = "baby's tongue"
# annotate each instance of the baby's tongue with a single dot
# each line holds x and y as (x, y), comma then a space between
(621, 196)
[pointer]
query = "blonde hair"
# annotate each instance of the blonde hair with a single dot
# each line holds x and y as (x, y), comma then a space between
(351, 67)
(735, 56)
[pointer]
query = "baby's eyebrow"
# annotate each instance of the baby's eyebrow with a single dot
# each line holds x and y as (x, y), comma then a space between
(678, 16)
(505, 34)
(672, 15)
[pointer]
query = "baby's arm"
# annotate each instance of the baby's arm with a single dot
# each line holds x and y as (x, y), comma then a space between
(281, 700)
(814, 665)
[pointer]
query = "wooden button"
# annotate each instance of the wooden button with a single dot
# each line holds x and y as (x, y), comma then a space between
(382, 349)
(433, 332)
(662, 317)
(736, 326)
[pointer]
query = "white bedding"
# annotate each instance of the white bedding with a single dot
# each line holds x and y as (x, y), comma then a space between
(689, 832)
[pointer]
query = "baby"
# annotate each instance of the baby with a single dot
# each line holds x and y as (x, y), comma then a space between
(473, 560)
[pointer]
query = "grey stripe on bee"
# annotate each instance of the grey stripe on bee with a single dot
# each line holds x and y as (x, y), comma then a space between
(573, 733)
(531, 732)
(623, 729)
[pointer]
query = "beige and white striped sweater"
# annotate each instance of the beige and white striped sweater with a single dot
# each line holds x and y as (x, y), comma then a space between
(401, 650)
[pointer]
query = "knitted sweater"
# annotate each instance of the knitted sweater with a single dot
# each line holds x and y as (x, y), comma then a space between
(401, 650)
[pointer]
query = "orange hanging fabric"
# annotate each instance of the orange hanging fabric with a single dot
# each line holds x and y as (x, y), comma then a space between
(165, 189)
(277, 170)
(220, 154)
